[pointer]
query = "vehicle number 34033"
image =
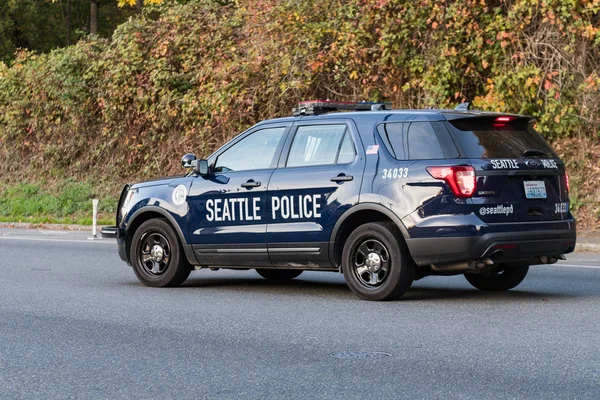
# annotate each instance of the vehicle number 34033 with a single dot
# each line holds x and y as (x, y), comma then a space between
(393, 173)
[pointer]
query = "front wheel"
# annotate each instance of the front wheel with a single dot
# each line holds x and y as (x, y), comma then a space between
(156, 255)
(504, 277)
(278, 274)
(376, 263)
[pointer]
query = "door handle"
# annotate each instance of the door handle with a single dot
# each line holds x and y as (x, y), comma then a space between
(251, 184)
(342, 178)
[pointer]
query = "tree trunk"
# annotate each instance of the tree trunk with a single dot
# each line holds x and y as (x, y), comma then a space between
(94, 17)
(68, 23)
(139, 4)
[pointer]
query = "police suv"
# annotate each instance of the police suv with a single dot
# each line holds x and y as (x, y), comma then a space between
(383, 196)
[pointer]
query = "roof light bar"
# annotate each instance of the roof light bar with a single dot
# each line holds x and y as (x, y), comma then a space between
(316, 107)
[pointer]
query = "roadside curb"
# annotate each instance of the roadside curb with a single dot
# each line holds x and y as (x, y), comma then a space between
(583, 246)
(51, 227)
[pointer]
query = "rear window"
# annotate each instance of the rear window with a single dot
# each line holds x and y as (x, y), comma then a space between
(488, 138)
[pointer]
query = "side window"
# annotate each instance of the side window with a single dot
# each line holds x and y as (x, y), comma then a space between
(252, 152)
(317, 145)
(392, 138)
(423, 143)
(347, 152)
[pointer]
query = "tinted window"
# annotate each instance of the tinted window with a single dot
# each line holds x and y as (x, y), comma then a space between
(486, 138)
(392, 138)
(423, 143)
(316, 145)
(347, 152)
(253, 152)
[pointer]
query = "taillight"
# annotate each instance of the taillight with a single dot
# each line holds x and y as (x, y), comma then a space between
(461, 179)
(567, 182)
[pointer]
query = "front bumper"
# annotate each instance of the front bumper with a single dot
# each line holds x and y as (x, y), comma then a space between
(499, 246)
(113, 232)
(109, 232)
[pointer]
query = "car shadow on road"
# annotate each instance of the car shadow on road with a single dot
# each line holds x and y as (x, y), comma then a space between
(339, 290)
(437, 293)
(259, 285)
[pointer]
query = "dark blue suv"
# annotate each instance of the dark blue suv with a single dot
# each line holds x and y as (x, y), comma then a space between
(383, 196)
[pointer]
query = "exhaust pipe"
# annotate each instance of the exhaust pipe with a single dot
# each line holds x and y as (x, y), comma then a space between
(451, 267)
(551, 259)
(463, 266)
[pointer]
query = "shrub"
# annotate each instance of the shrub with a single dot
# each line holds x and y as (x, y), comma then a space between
(187, 77)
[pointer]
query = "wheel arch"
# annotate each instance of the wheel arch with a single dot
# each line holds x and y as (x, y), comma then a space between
(354, 217)
(147, 213)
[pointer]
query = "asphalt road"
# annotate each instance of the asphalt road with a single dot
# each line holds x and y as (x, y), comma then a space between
(75, 323)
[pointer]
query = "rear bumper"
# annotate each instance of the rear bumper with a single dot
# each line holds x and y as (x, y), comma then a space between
(499, 246)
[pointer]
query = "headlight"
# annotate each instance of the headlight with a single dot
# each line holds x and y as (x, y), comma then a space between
(127, 202)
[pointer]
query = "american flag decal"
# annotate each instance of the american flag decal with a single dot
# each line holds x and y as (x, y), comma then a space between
(373, 149)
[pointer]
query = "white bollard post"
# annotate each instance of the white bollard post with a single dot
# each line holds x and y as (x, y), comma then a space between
(94, 219)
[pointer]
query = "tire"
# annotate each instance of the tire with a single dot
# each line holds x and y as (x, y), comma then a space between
(157, 256)
(506, 277)
(376, 262)
(279, 274)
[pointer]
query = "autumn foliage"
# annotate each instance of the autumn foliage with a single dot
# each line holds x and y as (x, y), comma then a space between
(188, 77)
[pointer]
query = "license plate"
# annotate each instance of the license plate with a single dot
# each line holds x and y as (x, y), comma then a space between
(535, 189)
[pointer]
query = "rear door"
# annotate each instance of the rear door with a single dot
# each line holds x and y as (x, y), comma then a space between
(519, 176)
(318, 178)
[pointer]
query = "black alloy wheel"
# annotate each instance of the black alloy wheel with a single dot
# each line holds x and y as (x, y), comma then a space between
(157, 256)
(371, 262)
(154, 254)
(376, 263)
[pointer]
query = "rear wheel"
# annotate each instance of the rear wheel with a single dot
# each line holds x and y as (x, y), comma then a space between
(506, 277)
(376, 263)
(156, 255)
(278, 274)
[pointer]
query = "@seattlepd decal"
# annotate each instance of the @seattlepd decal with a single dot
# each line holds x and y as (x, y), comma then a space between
(179, 195)
(499, 209)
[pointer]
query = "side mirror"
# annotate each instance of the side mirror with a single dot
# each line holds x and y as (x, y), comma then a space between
(201, 167)
(188, 161)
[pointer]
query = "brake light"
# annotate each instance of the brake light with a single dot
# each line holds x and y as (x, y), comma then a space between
(500, 122)
(460, 178)
(567, 182)
(506, 118)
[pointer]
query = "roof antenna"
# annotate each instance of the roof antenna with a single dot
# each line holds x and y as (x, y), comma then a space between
(464, 106)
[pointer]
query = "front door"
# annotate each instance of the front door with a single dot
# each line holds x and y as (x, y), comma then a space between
(228, 207)
(318, 178)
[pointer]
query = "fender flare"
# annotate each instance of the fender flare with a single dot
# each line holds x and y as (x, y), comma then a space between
(187, 249)
(364, 207)
(165, 214)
